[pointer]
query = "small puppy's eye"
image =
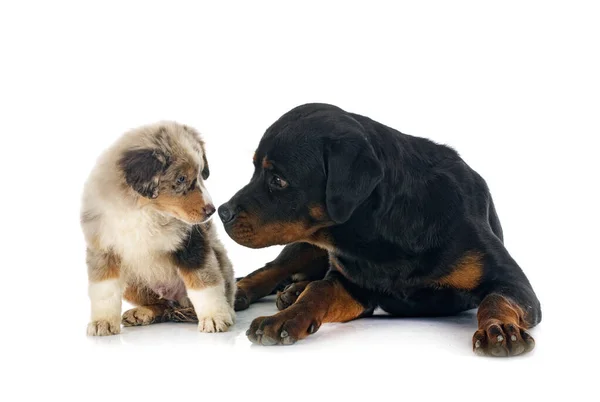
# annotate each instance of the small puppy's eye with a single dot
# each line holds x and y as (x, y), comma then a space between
(181, 180)
(278, 182)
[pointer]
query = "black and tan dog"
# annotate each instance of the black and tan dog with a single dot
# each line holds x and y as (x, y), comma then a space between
(380, 219)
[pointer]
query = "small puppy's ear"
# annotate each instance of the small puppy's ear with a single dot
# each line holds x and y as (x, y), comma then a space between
(206, 170)
(142, 169)
(353, 171)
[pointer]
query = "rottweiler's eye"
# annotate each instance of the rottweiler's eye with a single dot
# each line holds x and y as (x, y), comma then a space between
(278, 182)
(181, 180)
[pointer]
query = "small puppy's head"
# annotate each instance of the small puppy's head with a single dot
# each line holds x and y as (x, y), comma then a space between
(312, 169)
(167, 166)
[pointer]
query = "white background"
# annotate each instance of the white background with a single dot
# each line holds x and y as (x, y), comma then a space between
(514, 86)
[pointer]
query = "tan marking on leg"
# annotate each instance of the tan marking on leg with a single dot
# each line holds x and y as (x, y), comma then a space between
(466, 273)
(141, 296)
(103, 265)
(193, 279)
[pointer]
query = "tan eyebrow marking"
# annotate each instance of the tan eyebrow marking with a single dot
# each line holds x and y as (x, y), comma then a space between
(266, 163)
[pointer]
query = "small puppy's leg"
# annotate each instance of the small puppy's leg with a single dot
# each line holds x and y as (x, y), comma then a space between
(206, 289)
(105, 291)
(150, 308)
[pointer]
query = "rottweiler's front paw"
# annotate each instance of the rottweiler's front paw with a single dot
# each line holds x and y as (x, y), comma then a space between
(290, 294)
(285, 328)
(501, 340)
(242, 301)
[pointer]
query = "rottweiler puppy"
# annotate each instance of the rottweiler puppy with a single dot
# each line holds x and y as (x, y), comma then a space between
(374, 218)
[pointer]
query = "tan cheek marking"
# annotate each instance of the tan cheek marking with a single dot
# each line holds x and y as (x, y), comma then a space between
(187, 207)
(466, 273)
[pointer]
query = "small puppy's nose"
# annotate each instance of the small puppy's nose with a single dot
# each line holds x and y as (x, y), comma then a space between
(226, 213)
(209, 210)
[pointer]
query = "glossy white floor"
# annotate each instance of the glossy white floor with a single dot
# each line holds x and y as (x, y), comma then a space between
(377, 357)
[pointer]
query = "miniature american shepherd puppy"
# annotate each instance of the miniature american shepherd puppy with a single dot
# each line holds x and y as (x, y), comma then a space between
(145, 217)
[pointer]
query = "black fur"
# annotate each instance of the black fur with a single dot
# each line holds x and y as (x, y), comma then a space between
(193, 250)
(206, 171)
(403, 211)
(142, 169)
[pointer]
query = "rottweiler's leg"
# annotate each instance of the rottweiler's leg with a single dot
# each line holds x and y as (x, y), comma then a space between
(332, 299)
(509, 306)
(294, 259)
(150, 308)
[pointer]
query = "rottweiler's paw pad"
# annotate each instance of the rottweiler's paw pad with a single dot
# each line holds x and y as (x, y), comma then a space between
(500, 340)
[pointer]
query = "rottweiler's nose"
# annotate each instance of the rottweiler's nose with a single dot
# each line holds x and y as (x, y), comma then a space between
(226, 213)
(209, 209)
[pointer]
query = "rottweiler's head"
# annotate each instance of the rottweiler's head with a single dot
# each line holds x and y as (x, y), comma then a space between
(312, 169)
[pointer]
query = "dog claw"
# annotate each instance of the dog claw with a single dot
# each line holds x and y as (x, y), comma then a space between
(284, 334)
(259, 332)
(500, 338)
(478, 344)
(513, 338)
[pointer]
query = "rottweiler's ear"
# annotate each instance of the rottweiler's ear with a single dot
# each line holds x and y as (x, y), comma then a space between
(206, 171)
(353, 171)
(142, 169)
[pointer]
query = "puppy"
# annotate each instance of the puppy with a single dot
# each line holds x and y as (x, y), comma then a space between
(380, 219)
(145, 217)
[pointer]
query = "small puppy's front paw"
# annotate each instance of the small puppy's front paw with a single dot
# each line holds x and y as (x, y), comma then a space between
(104, 327)
(216, 321)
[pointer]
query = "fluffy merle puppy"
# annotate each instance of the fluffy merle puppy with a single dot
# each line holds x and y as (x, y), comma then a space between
(145, 219)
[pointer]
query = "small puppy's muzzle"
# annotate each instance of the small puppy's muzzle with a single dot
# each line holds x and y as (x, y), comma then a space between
(209, 210)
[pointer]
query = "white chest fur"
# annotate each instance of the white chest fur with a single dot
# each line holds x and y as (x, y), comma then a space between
(144, 240)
